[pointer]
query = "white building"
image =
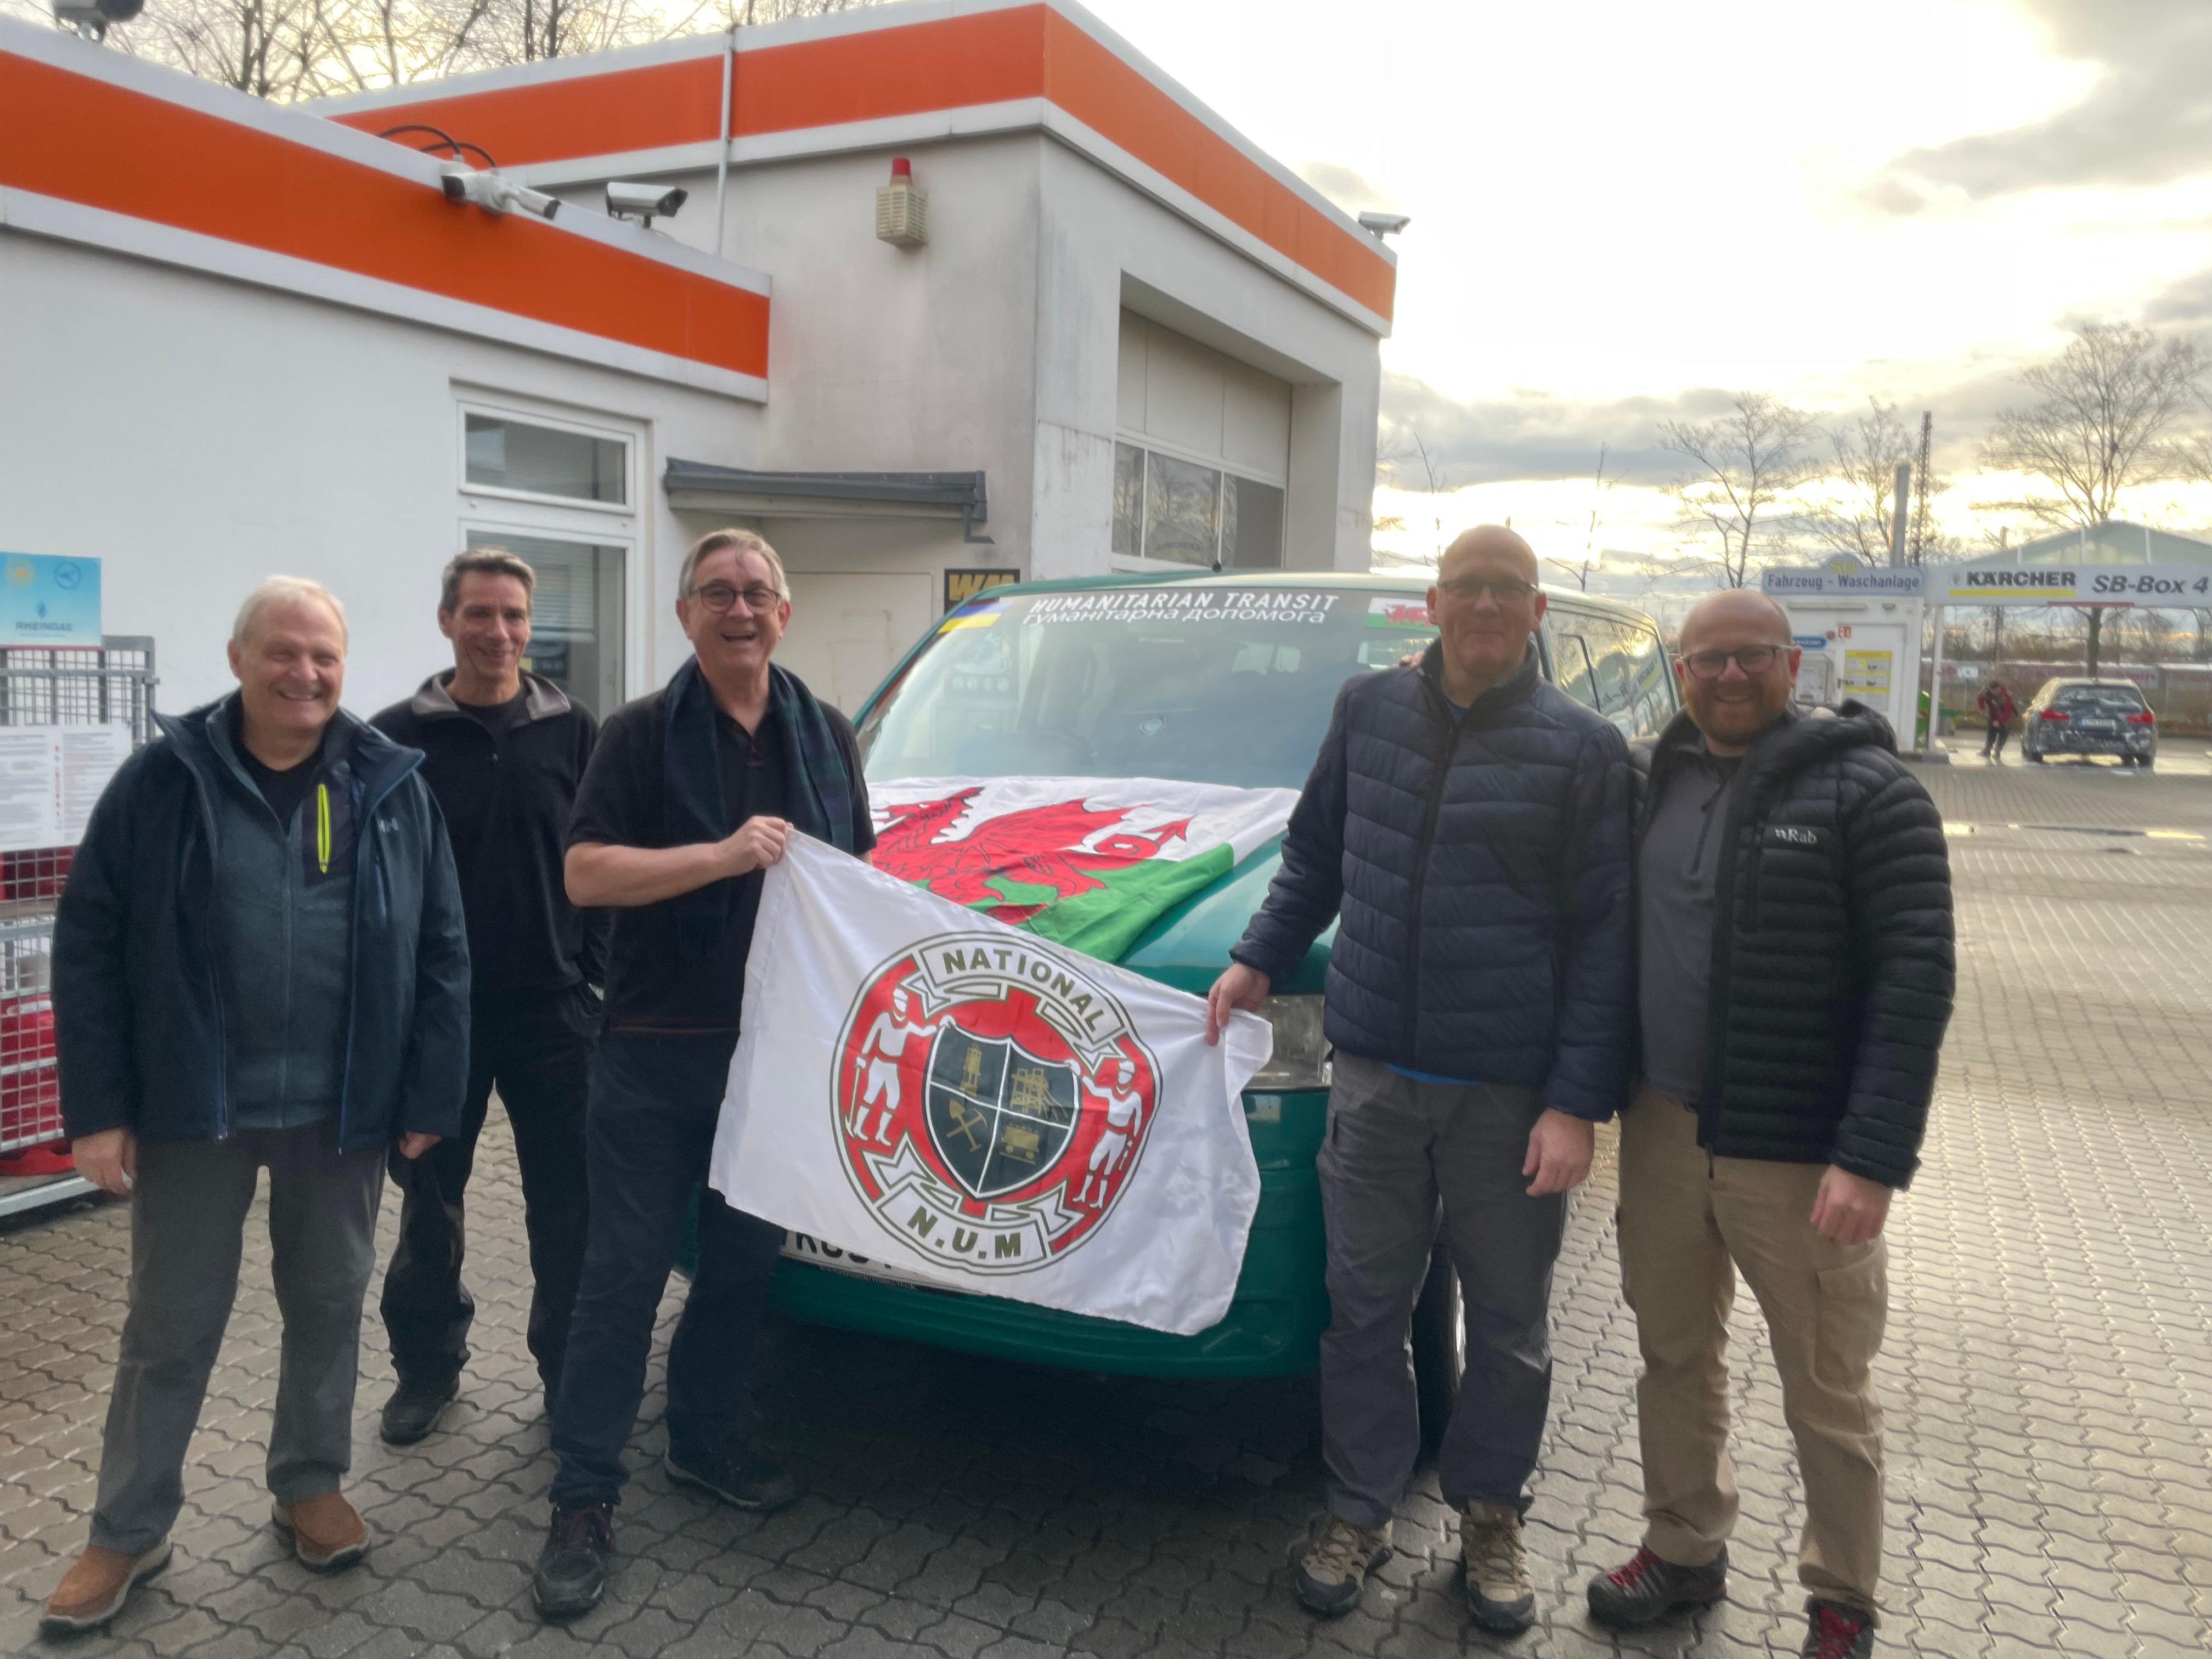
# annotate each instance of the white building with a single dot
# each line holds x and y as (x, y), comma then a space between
(240, 339)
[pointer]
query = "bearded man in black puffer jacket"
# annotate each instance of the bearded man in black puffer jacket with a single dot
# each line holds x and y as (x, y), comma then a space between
(1794, 971)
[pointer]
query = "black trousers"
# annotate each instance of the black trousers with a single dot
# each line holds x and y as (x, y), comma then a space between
(536, 1048)
(655, 1101)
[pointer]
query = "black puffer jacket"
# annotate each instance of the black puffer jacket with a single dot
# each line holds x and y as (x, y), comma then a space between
(1832, 967)
(1481, 864)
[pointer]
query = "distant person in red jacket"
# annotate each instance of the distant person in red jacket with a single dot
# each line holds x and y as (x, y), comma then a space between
(1997, 707)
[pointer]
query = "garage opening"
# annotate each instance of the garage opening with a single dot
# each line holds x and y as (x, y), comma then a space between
(1201, 455)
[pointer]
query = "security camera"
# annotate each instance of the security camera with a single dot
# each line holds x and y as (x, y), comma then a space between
(643, 202)
(1379, 225)
(90, 18)
(494, 192)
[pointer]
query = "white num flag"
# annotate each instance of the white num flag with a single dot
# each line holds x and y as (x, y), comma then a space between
(983, 1109)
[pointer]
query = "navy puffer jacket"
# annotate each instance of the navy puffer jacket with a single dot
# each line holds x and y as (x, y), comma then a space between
(1833, 951)
(1481, 866)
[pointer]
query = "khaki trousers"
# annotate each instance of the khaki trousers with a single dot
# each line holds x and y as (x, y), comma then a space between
(1688, 1222)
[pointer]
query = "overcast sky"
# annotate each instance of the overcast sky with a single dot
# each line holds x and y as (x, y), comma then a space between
(1623, 212)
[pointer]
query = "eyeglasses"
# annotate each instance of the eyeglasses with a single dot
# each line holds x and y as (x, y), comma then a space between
(721, 596)
(1506, 590)
(1753, 659)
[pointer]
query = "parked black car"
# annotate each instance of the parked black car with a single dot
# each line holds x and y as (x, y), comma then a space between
(2090, 717)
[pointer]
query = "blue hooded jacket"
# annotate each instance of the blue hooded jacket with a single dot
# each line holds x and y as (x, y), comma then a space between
(1481, 866)
(138, 1005)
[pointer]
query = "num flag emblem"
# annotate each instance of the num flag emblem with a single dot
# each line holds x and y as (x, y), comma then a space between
(991, 1100)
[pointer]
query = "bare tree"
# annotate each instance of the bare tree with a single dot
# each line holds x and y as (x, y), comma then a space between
(2105, 414)
(264, 47)
(1746, 465)
(1435, 481)
(1854, 516)
(284, 49)
(1583, 572)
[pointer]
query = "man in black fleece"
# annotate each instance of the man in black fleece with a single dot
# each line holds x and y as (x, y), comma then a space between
(1794, 962)
(503, 753)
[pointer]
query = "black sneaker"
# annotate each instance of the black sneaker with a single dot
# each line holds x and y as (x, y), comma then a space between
(1647, 1590)
(1836, 1631)
(573, 1567)
(737, 1474)
(413, 1412)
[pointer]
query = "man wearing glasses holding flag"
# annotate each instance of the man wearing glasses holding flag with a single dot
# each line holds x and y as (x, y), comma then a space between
(691, 795)
(1795, 945)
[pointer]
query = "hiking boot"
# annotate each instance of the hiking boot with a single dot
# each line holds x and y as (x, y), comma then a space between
(97, 1584)
(1647, 1590)
(413, 1411)
(1334, 1570)
(1496, 1566)
(326, 1532)
(1836, 1631)
(573, 1567)
(741, 1476)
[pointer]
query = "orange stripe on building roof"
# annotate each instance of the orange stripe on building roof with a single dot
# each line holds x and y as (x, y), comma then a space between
(956, 63)
(1094, 85)
(82, 140)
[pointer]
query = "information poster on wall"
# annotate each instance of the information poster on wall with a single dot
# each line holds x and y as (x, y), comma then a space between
(1866, 671)
(50, 777)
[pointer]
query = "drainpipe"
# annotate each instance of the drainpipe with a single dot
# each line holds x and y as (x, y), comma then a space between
(722, 155)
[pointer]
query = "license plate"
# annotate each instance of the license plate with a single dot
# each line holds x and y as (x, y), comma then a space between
(798, 1247)
(2100, 725)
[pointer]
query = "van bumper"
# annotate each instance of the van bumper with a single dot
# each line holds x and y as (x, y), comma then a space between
(1272, 1328)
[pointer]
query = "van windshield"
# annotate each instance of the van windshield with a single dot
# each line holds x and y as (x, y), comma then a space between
(1211, 684)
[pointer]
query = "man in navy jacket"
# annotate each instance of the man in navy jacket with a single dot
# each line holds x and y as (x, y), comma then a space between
(260, 960)
(1469, 824)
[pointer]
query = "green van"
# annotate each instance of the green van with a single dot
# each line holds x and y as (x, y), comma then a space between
(1214, 678)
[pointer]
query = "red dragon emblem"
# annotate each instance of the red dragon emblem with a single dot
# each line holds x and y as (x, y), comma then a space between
(998, 867)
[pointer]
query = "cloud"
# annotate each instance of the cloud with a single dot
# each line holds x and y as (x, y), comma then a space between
(1534, 435)
(2146, 120)
(1529, 434)
(1347, 189)
(2187, 303)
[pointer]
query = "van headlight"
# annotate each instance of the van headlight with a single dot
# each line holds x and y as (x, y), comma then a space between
(1301, 1056)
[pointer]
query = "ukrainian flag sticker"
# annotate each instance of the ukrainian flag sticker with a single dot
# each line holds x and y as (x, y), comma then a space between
(976, 613)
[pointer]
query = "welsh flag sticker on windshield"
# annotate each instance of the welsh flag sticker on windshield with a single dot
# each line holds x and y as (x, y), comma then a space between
(1399, 611)
(1090, 863)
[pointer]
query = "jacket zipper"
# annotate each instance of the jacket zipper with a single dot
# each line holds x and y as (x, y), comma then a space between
(1421, 850)
(1709, 1098)
(364, 829)
(200, 788)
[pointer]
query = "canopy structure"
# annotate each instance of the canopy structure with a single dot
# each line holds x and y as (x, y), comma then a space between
(2099, 568)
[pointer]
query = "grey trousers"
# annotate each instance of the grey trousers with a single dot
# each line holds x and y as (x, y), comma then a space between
(1397, 1154)
(187, 1230)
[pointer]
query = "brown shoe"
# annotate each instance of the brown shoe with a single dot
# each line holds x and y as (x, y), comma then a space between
(326, 1532)
(97, 1584)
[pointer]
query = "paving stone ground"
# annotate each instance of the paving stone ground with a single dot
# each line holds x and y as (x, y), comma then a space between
(2048, 1375)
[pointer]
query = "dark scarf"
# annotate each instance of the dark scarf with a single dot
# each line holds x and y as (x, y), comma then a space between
(818, 792)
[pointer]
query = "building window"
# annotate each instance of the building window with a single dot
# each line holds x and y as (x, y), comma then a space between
(1128, 501)
(500, 452)
(1182, 512)
(576, 614)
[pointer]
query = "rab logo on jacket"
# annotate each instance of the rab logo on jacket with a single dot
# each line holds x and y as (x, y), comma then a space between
(991, 1102)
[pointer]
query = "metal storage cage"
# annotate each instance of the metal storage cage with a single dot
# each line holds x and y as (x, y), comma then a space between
(42, 685)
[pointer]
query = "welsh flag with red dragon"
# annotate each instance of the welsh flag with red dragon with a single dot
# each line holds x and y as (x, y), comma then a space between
(1089, 863)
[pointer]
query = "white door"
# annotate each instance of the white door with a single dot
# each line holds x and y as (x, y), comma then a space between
(847, 632)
